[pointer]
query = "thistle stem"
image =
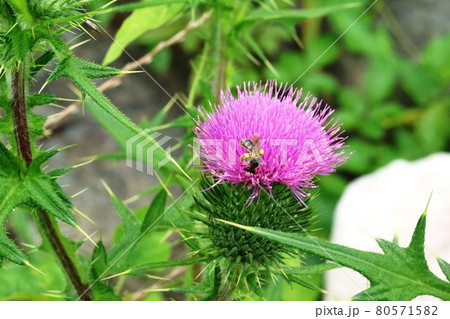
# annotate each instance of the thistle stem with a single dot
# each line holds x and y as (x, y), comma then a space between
(49, 230)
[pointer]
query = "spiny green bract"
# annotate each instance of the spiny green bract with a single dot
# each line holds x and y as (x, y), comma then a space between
(237, 248)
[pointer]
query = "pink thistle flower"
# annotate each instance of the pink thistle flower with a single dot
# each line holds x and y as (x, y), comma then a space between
(299, 140)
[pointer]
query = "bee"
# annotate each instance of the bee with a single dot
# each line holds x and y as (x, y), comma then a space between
(253, 157)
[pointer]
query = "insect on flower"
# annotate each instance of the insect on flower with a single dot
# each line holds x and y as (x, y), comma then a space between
(301, 139)
(255, 152)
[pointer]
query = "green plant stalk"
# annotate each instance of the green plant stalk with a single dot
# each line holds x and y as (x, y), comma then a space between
(47, 228)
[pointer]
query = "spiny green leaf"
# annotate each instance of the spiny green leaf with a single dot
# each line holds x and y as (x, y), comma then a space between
(129, 220)
(309, 269)
(21, 43)
(35, 166)
(398, 274)
(155, 210)
(45, 193)
(10, 251)
(445, 267)
(59, 172)
(8, 162)
(40, 99)
(35, 189)
(126, 236)
(88, 69)
(99, 259)
(167, 264)
(99, 263)
(103, 292)
(22, 8)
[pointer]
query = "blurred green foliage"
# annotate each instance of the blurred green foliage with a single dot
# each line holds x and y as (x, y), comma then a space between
(393, 103)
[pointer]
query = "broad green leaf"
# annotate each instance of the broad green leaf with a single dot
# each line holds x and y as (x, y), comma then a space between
(418, 80)
(152, 246)
(398, 274)
(139, 22)
(140, 5)
(435, 58)
(380, 78)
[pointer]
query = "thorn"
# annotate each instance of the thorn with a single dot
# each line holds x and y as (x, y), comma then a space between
(79, 193)
(156, 290)
(85, 234)
(79, 212)
(85, 163)
(43, 86)
(130, 72)
(164, 186)
(79, 44)
(428, 203)
(116, 275)
(74, 89)
(156, 277)
(234, 224)
(26, 262)
(29, 245)
(108, 4)
(57, 105)
(65, 147)
(110, 192)
(367, 233)
(86, 31)
(67, 99)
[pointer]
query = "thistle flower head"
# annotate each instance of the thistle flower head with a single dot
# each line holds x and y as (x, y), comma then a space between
(292, 140)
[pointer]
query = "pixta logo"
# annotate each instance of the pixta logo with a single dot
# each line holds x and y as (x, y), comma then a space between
(141, 148)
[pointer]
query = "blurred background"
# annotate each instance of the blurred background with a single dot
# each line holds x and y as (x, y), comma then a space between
(385, 71)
